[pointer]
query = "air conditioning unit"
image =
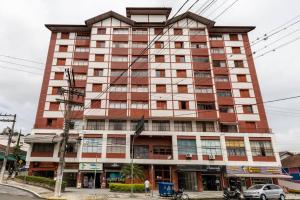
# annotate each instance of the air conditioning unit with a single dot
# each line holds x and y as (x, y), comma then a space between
(212, 157)
(188, 155)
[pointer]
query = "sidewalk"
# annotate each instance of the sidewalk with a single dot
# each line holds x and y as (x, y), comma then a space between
(105, 194)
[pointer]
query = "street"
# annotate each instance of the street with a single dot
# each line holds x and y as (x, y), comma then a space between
(10, 193)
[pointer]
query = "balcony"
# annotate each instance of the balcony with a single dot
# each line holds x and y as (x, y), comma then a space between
(117, 113)
(138, 51)
(120, 37)
(139, 38)
(119, 51)
(217, 43)
(201, 66)
(119, 80)
(218, 56)
(138, 113)
(225, 100)
(220, 70)
(82, 42)
(81, 55)
(118, 96)
(198, 38)
(227, 117)
(119, 65)
(140, 80)
(223, 85)
(203, 81)
(200, 52)
(204, 97)
(207, 114)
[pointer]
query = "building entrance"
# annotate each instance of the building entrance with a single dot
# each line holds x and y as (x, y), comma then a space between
(88, 180)
(188, 181)
(211, 182)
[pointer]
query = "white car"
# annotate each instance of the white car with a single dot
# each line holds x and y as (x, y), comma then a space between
(264, 192)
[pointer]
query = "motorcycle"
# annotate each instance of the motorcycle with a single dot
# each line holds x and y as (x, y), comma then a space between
(180, 195)
(234, 193)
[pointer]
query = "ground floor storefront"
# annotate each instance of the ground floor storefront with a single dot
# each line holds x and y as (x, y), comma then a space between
(196, 178)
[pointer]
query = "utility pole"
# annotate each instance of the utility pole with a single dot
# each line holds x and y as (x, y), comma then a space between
(69, 102)
(7, 118)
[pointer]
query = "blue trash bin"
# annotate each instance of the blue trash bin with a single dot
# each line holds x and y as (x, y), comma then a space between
(165, 189)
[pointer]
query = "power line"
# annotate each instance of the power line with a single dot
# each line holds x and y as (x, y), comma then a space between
(20, 70)
(28, 66)
(221, 5)
(228, 7)
(23, 59)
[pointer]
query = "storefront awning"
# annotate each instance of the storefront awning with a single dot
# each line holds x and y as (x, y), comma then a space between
(42, 139)
(260, 176)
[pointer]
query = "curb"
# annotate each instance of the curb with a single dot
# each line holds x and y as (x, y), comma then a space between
(27, 190)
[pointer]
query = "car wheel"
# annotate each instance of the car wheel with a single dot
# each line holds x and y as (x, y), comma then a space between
(282, 197)
(263, 197)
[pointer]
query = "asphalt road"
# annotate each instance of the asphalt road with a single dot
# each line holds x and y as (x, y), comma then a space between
(11, 193)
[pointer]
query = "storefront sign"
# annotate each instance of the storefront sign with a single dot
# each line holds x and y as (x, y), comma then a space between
(90, 166)
(252, 170)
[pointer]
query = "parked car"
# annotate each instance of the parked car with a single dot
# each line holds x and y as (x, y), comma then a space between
(264, 192)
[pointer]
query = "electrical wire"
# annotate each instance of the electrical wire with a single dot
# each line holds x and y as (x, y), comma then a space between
(20, 70)
(227, 8)
(221, 5)
(28, 66)
(23, 59)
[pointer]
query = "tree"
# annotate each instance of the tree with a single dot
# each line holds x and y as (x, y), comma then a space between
(138, 171)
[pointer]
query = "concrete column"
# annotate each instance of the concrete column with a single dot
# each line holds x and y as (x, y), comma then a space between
(104, 144)
(248, 149)
(175, 147)
(199, 180)
(128, 145)
(223, 147)
(199, 148)
(174, 177)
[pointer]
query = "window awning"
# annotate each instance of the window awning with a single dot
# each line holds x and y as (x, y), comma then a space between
(260, 176)
(42, 139)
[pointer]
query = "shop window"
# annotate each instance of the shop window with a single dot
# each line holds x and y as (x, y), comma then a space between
(161, 125)
(93, 124)
(116, 145)
(211, 147)
(184, 126)
(235, 148)
(117, 125)
(162, 173)
(161, 105)
(203, 126)
(261, 148)
(92, 145)
(187, 146)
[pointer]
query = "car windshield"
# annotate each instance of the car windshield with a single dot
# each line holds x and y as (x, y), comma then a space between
(255, 187)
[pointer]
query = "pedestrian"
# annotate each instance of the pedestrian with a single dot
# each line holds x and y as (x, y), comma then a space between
(147, 187)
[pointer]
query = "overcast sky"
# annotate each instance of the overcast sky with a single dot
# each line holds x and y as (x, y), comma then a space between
(23, 35)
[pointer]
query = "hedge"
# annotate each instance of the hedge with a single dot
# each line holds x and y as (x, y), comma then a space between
(40, 181)
(122, 187)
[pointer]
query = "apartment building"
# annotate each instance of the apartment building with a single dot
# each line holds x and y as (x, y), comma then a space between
(196, 86)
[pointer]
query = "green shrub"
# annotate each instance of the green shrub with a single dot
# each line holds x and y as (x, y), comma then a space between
(122, 187)
(41, 181)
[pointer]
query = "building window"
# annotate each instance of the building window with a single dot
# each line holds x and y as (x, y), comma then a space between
(182, 88)
(93, 124)
(140, 31)
(197, 32)
(139, 73)
(228, 128)
(92, 145)
(56, 91)
(261, 148)
(61, 61)
(236, 50)
(235, 148)
(51, 122)
(179, 45)
(95, 104)
(238, 63)
(241, 78)
(162, 150)
(39, 147)
(80, 62)
(133, 125)
(141, 151)
(63, 48)
(139, 58)
(202, 74)
(100, 44)
(186, 147)
(159, 45)
(98, 72)
(139, 104)
(224, 93)
(161, 88)
(118, 88)
(203, 126)
(139, 45)
(76, 124)
(101, 31)
(118, 104)
(183, 126)
(200, 59)
(215, 37)
(178, 31)
(64, 36)
(160, 73)
(203, 90)
(54, 106)
(71, 148)
(58, 75)
(198, 45)
(118, 72)
(248, 109)
(97, 88)
(233, 37)
(117, 125)
(219, 63)
(139, 88)
(79, 76)
(161, 105)
(221, 78)
(158, 31)
(206, 106)
(120, 31)
(217, 50)
(82, 49)
(181, 73)
(244, 93)
(119, 58)
(116, 145)
(83, 36)
(159, 58)
(120, 44)
(226, 109)
(180, 58)
(211, 147)
(161, 125)
(183, 105)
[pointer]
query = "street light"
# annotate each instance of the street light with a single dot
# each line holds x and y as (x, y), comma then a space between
(140, 127)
